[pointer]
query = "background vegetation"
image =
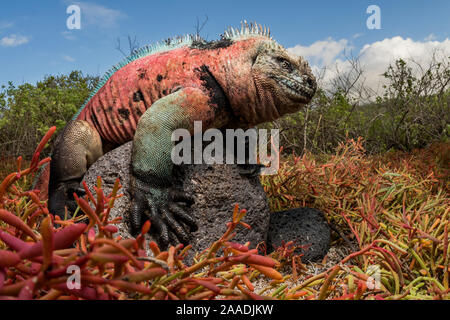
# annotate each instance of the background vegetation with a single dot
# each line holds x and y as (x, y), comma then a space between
(27, 111)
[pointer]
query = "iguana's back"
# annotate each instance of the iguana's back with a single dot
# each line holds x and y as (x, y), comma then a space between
(115, 109)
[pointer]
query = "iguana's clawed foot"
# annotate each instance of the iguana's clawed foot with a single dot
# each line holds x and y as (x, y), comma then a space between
(70, 201)
(161, 206)
(250, 170)
(63, 197)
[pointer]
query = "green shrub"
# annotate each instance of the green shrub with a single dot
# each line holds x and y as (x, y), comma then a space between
(27, 111)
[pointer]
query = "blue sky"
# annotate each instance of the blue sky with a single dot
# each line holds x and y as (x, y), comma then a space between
(34, 39)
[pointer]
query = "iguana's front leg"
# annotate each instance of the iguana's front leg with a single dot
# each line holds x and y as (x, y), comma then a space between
(152, 166)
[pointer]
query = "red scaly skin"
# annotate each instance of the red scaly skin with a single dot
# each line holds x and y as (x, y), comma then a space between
(116, 108)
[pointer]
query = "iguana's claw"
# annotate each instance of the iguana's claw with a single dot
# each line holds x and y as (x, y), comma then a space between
(138, 206)
(63, 197)
(181, 196)
(70, 201)
(160, 206)
(250, 170)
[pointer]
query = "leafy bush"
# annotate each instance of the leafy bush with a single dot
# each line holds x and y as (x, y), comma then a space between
(27, 111)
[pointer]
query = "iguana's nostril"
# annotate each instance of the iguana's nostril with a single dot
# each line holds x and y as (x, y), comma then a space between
(311, 83)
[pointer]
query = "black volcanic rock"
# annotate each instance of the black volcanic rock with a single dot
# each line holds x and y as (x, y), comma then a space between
(306, 226)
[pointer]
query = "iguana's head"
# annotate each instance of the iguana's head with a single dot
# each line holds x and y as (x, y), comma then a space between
(283, 81)
(263, 81)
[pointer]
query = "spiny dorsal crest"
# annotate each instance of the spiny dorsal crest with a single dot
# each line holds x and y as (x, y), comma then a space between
(247, 31)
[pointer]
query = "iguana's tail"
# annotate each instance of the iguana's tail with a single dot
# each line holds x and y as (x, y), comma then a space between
(41, 181)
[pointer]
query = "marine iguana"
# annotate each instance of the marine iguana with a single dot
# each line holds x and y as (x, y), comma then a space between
(241, 80)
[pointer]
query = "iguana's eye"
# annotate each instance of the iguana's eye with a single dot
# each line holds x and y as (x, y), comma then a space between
(285, 64)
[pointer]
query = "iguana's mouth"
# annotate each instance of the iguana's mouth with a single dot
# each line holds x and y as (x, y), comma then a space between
(300, 89)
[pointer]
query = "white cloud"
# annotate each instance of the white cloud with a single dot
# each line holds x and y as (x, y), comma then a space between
(430, 37)
(377, 56)
(98, 15)
(68, 58)
(374, 57)
(322, 52)
(13, 40)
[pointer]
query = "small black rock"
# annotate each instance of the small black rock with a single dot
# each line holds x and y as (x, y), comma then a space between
(306, 226)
